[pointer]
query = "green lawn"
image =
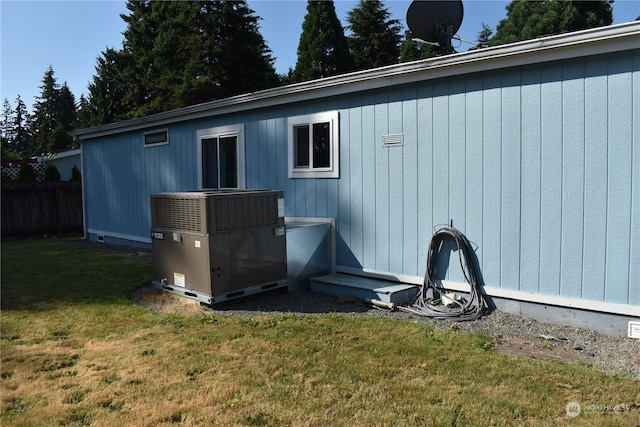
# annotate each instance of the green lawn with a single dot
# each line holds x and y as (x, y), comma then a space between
(76, 351)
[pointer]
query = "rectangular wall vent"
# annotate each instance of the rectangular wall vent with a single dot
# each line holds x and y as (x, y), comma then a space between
(634, 329)
(395, 140)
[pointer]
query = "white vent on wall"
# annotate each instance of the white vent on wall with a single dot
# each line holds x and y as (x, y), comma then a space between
(634, 329)
(395, 140)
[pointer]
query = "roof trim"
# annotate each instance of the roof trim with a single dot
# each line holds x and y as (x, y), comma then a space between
(614, 38)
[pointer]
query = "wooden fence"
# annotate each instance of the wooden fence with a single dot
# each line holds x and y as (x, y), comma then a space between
(42, 207)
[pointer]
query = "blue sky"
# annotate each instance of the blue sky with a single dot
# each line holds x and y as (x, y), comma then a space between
(69, 35)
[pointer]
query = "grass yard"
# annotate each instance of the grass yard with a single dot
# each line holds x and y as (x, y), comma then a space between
(75, 351)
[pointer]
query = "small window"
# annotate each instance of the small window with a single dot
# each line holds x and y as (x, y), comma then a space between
(313, 146)
(156, 137)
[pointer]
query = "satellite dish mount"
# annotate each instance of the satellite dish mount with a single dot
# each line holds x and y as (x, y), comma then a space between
(435, 22)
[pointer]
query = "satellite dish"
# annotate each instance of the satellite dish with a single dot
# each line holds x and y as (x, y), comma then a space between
(435, 21)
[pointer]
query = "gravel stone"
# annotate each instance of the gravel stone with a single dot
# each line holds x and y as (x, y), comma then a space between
(510, 334)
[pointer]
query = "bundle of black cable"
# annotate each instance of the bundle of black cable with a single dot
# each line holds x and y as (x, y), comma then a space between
(430, 302)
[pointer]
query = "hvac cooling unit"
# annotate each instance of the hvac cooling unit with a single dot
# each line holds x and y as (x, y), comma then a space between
(217, 245)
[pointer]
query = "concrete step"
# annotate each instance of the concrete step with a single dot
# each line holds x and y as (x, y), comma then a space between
(364, 287)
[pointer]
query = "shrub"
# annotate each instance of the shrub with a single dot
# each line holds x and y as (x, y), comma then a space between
(51, 173)
(26, 173)
(75, 174)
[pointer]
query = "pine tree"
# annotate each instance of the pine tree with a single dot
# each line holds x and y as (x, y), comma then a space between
(67, 116)
(245, 61)
(323, 49)
(135, 65)
(107, 101)
(375, 39)
(484, 36)
(527, 19)
(45, 120)
(7, 151)
(6, 128)
(15, 130)
(54, 116)
(177, 54)
(413, 51)
(21, 126)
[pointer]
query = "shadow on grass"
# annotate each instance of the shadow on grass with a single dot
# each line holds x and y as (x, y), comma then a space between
(39, 272)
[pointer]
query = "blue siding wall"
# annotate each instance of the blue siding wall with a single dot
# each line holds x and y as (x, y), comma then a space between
(538, 165)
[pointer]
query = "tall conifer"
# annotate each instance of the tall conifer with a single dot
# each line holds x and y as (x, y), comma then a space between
(375, 39)
(323, 49)
(527, 19)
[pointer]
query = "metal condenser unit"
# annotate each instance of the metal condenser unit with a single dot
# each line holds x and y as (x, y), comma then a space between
(217, 245)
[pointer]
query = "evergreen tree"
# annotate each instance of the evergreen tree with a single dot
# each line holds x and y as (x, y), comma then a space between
(21, 126)
(6, 128)
(67, 115)
(54, 116)
(323, 49)
(413, 51)
(244, 61)
(15, 130)
(6, 133)
(51, 173)
(484, 36)
(108, 92)
(527, 19)
(177, 54)
(135, 65)
(45, 120)
(375, 39)
(84, 112)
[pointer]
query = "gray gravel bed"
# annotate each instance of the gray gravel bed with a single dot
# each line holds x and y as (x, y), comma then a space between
(511, 334)
(616, 355)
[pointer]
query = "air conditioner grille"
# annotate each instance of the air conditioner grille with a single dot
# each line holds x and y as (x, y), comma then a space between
(216, 212)
(244, 212)
(177, 213)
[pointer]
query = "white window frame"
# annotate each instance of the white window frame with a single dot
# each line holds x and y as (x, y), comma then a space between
(218, 132)
(333, 171)
(155, 144)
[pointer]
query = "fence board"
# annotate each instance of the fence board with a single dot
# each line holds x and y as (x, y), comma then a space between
(42, 207)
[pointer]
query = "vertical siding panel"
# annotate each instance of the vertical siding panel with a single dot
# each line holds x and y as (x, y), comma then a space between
(251, 153)
(298, 200)
(572, 179)
(456, 168)
(457, 155)
(551, 181)
(425, 177)
(321, 200)
(368, 182)
(410, 179)
(140, 188)
(440, 165)
(355, 179)
(310, 196)
(263, 149)
(634, 256)
(595, 181)
(271, 159)
(396, 186)
(473, 162)
(491, 164)
(330, 189)
(282, 162)
(344, 195)
(619, 180)
(382, 183)
(530, 181)
(511, 175)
